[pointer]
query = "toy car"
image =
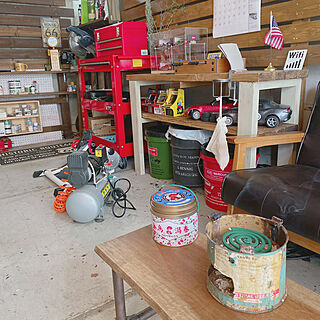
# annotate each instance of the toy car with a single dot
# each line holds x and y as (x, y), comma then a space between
(196, 111)
(270, 114)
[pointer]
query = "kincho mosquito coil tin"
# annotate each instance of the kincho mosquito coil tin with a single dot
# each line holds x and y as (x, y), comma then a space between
(248, 262)
(174, 217)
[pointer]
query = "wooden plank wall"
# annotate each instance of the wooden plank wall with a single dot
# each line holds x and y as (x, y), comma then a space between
(20, 31)
(299, 21)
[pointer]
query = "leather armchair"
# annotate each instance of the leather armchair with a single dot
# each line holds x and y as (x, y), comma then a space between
(290, 192)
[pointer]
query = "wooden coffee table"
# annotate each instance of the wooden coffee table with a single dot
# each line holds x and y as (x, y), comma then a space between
(173, 282)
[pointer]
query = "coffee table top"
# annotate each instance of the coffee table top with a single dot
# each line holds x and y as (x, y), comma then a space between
(173, 280)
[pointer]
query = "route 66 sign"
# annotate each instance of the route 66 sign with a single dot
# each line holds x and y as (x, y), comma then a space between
(50, 27)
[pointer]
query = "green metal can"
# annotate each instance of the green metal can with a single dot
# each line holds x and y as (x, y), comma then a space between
(159, 153)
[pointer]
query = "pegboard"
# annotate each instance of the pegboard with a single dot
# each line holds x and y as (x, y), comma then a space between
(49, 115)
(45, 81)
(35, 138)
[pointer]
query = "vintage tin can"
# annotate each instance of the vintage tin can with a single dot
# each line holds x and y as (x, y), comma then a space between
(174, 217)
(247, 281)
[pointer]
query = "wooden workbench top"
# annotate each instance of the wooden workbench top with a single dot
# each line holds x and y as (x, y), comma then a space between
(245, 76)
(173, 281)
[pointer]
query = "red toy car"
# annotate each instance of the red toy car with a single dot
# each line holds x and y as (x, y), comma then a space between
(196, 111)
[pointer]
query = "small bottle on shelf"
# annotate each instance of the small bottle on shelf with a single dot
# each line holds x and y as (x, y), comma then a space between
(91, 11)
(36, 86)
(69, 89)
(18, 112)
(29, 125)
(96, 8)
(18, 128)
(34, 111)
(36, 126)
(7, 127)
(79, 13)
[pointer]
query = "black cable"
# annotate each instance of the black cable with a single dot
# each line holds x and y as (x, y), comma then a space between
(119, 196)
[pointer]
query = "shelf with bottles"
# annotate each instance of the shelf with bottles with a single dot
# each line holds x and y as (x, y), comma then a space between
(19, 118)
(91, 10)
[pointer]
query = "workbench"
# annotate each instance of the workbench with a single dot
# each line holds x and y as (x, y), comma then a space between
(251, 83)
(173, 282)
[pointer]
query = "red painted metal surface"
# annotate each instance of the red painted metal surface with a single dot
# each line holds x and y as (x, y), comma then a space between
(5, 145)
(121, 111)
(126, 39)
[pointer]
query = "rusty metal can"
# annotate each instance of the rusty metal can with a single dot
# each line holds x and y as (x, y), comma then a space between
(240, 278)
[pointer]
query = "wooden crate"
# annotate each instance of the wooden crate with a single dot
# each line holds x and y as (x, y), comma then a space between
(10, 107)
(204, 66)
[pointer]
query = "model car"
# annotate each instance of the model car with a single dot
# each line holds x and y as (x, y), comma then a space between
(270, 114)
(196, 111)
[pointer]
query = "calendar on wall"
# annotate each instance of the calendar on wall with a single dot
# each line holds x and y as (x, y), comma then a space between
(231, 17)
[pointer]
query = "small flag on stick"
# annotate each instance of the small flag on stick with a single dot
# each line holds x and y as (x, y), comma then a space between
(274, 36)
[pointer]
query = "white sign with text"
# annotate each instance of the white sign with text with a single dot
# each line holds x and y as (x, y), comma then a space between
(295, 59)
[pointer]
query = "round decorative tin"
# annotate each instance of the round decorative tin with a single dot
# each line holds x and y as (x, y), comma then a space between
(174, 217)
(248, 262)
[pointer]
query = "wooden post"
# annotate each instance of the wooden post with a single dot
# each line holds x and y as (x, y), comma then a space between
(248, 116)
(137, 129)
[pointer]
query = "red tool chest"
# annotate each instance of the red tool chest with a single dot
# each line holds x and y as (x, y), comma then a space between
(116, 67)
(123, 39)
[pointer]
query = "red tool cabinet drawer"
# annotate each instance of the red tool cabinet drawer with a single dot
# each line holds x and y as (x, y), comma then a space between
(124, 38)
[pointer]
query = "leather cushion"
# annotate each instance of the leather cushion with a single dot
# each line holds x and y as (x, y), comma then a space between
(290, 192)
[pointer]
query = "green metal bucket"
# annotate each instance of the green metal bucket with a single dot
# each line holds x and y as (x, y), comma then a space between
(159, 153)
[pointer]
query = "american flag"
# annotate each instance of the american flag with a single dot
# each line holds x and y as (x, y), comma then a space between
(274, 36)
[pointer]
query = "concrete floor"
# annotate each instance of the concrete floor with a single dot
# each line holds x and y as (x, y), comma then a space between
(48, 267)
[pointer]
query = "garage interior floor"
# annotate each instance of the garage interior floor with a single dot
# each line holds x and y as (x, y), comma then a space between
(48, 267)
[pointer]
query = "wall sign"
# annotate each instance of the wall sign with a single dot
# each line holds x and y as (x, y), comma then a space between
(50, 27)
(295, 59)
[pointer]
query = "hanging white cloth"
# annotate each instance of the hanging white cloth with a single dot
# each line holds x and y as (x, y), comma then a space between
(218, 144)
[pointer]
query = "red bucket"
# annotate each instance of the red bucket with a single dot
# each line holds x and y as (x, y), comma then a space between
(213, 182)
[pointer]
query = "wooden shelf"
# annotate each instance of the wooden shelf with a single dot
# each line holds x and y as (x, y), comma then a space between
(97, 23)
(32, 95)
(21, 133)
(19, 117)
(245, 76)
(38, 72)
(232, 130)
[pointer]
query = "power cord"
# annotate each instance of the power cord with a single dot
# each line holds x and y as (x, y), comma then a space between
(120, 197)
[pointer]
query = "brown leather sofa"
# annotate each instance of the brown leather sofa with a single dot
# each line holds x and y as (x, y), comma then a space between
(290, 192)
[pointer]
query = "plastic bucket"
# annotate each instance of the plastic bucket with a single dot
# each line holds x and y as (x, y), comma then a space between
(159, 152)
(214, 177)
(185, 158)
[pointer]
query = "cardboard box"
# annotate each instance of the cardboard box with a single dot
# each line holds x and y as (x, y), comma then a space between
(101, 126)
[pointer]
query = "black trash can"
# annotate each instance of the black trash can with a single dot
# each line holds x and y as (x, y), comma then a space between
(185, 161)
